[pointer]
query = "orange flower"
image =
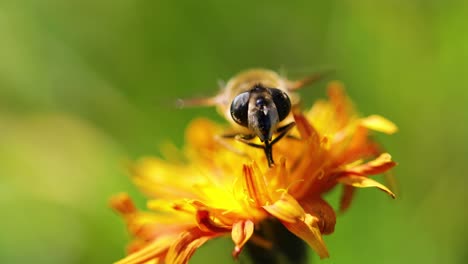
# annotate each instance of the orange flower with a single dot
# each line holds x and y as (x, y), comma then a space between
(223, 187)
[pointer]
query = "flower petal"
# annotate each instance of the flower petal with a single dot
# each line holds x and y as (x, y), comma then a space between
(206, 224)
(241, 233)
(308, 230)
(343, 106)
(319, 208)
(286, 209)
(123, 204)
(158, 178)
(197, 136)
(146, 225)
(154, 250)
(380, 124)
(183, 248)
(364, 182)
(255, 185)
(380, 164)
(306, 130)
(346, 197)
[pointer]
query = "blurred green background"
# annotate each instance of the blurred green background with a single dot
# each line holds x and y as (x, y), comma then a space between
(86, 85)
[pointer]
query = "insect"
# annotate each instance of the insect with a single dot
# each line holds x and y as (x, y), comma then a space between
(258, 102)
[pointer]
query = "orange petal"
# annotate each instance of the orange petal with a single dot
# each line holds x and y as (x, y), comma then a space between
(277, 176)
(308, 230)
(255, 184)
(154, 250)
(346, 197)
(380, 124)
(359, 146)
(182, 249)
(123, 204)
(206, 224)
(286, 209)
(241, 233)
(341, 103)
(364, 182)
(337, 94)
(305, 128)
(380, 164)
(319, 208)
(196, 133)
(135, 246)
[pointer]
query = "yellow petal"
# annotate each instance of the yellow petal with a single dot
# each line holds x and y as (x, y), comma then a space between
(158, 178)
(380, 124)
(380, 164)
(170, 206)
(241, 233)
(286, 209)
(364, 182)
(308, 230)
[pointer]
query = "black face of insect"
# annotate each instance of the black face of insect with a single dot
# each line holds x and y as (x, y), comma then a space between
(261, 109)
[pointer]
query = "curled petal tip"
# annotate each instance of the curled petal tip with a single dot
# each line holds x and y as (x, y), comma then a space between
(364, 182)
(122, 203)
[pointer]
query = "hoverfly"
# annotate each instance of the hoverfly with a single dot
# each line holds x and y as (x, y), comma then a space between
(258, 102)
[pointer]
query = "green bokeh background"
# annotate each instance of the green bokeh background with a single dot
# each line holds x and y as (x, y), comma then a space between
(86, 85)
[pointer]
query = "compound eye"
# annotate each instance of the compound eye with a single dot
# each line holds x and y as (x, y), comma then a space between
(240, 109)
(282, 102)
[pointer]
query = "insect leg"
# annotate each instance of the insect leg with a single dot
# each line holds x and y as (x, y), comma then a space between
(244, 138)
(283, 131)
(246, 141)
(238, 136)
